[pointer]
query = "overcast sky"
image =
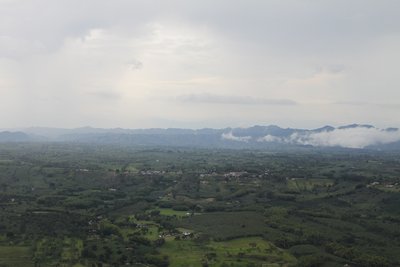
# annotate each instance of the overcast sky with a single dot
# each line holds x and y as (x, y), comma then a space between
(208, 63)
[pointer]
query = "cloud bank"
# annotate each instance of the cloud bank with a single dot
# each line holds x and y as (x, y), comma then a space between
(359, 137)
(347, 137)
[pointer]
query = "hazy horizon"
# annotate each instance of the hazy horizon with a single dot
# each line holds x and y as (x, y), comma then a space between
(357, 125)
(190, 64)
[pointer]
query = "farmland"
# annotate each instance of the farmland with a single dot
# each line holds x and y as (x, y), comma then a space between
(92, 205)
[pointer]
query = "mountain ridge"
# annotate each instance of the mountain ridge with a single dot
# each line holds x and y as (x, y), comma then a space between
(257, 136)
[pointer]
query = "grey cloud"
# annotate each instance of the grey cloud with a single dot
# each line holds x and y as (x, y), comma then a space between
(13, 48)
(314, 27)
(361, 103)
(230, 99)
(324, 22)
(333, 69)
(351, 103)
(110, 95)
(49, 23)
(394, 106)
(336, 68)
(243, 51)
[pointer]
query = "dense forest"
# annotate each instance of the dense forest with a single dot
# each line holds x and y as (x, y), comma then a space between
(102, 205)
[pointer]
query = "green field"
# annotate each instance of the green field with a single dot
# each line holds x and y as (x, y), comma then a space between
(15, 256)
(171, 212)
(122, 206)
(303, 184)
(237, 252)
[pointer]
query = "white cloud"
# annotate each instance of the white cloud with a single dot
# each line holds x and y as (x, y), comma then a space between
(356, 137)
(359, 137)
(231, 137)
(270, 138)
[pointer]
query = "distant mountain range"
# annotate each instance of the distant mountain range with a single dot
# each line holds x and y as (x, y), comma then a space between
(272, 136)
